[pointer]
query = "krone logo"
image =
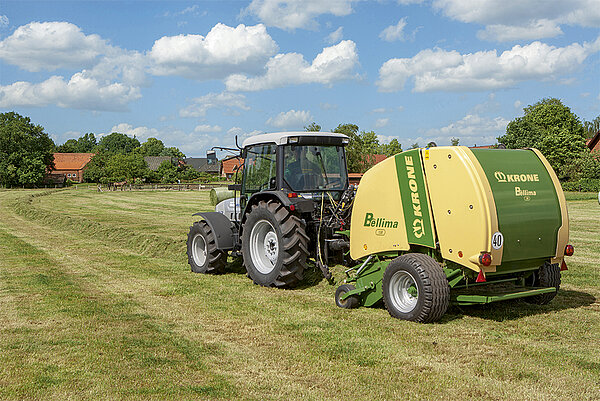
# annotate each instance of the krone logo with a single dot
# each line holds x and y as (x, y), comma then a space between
(502, 177)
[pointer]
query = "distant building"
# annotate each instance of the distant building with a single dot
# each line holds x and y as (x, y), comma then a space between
(69, 166)
(154, 162)
(229, 166)
(204, 165)
(593, 143)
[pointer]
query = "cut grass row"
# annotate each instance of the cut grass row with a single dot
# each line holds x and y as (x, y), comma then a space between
(98, 302)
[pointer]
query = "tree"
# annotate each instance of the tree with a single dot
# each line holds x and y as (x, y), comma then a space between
(166, 172)
(415, 145)
(551, 127)
(152, 147)
(591, 127)
(117, 143)
(454, 141)
(392, 148)
(173, 152)
(84, 144)
(361, 149)
(126, 167)
(25, 151)
(313, 127)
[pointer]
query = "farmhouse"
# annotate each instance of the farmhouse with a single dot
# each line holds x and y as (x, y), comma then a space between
(208, 165)
(354, 178)
(69, 166)
(593, 143)
(229, 166)
(154, 162)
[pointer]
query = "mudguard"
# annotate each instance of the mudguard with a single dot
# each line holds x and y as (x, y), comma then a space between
(222, 227)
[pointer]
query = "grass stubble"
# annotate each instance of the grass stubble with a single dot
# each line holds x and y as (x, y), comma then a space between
(97, 301)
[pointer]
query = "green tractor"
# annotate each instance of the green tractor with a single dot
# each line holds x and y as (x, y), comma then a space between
(426, 227)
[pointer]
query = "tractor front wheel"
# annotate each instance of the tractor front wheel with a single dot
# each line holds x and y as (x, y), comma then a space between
(274, 245)
(415, 288)
(202, 251)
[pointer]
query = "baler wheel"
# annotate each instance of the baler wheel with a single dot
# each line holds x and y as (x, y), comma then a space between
(415, 288)
(274, 245)
(353, 301)
(202, 251)
(548, 275)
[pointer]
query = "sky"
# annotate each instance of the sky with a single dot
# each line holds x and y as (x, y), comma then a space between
(195, 74)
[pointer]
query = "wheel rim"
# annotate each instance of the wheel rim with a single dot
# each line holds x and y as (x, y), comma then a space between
(264, 247)
(199, 250)
(403, 291)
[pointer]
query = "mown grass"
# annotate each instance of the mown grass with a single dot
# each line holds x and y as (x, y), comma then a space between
(97, 301)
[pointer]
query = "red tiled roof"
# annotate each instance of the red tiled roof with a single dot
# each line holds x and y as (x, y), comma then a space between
(71, 161)
(228, 165)
(594, 142)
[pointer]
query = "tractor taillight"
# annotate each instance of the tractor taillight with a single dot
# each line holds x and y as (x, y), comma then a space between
(292, 208)
(485, 259)
(569, 250)
(292, 195)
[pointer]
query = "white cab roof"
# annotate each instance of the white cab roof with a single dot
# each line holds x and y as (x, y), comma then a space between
(281, 138)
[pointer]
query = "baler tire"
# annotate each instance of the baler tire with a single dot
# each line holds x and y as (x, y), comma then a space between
(283, 265)
(353, 301)
(202, 251)
(548, 275)
(430, 282)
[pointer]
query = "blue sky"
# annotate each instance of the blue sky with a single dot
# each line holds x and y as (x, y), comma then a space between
(195, 74)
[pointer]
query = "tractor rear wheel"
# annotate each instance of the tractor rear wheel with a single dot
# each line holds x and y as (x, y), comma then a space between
(274, 245)
(202, 251)
(548, 275)
(353, 301)
(415, 288)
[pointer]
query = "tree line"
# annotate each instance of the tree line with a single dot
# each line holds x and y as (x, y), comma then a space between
(26, 151)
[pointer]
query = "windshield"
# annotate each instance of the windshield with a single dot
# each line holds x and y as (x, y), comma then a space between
(311, 167)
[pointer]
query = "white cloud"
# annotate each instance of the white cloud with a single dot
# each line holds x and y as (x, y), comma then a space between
(51, 45)
(523, 19)
(328, 106)
(335, 36)
(381, 122)
(224, 100)
(441, 70)
(518, 104)
(471, 127)
(141, 133)
(333, 64)
(290, 119)
(293, 14)
(224, 50)
(208, 128)
(111, 77)
(394, 32)
(534, 30)
(4, 22)
(80, 92)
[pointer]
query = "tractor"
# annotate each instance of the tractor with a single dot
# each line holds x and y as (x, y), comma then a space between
(425, 228)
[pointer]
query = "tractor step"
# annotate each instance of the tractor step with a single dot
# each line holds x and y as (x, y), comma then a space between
(482, 295)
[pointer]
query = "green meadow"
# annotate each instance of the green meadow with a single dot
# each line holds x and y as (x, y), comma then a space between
(97, 302)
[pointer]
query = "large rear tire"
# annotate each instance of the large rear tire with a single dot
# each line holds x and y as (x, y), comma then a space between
(274, 245)
(548, 275)
(202, 251)
(415, 288)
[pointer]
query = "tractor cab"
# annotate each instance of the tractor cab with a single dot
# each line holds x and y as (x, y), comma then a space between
(305, 163)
